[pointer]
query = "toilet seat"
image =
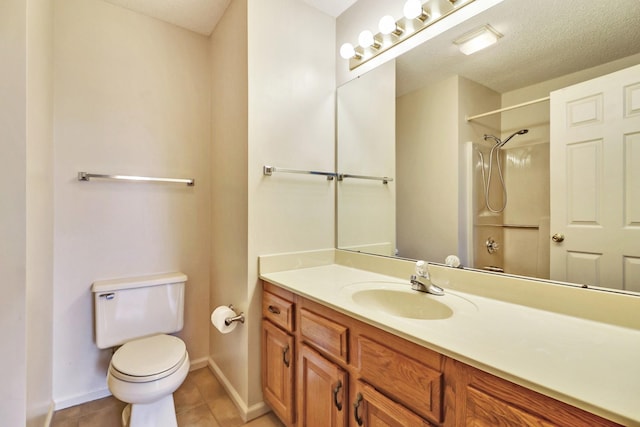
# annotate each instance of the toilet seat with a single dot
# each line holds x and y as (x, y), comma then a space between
(148, 359)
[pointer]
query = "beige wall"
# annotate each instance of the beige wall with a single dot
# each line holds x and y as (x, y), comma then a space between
(39, 185)
(273, 104)
(229, 201)
(427, 152)
(291, 122)
(366, 129)
(25, 217)
(13, 135)
(131, 96)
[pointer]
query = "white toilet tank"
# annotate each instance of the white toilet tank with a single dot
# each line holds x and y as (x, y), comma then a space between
(135, 307)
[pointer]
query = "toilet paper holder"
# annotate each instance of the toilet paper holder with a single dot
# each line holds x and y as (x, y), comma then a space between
(237, 318)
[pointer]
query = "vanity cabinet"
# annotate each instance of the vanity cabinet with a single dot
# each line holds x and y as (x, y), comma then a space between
(334, 388)
(349, 373)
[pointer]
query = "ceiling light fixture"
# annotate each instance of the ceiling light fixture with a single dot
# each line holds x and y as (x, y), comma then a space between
(392, 32)
(477, 39)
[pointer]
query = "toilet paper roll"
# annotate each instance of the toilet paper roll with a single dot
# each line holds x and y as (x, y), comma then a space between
(219, 315)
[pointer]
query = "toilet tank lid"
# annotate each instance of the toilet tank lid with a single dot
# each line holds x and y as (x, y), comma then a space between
(138, 282)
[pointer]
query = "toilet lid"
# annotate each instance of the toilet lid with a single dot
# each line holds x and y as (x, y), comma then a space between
(149, 356)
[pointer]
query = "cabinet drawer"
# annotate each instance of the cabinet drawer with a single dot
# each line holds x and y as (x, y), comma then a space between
(278, 310)
(415, 385)
(324, 334)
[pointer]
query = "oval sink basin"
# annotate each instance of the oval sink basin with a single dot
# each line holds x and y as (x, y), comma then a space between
(402, 303)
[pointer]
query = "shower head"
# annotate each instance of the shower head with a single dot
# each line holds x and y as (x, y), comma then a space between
(495, 138)
(520, 132)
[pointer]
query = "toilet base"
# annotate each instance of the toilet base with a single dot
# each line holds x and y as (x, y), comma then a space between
(160, 413)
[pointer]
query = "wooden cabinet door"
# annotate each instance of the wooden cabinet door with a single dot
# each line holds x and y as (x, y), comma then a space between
(488, 401)
(278, 370)
(322, 391)
(373, 409)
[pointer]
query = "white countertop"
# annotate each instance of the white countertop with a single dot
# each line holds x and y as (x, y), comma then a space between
(592, 365)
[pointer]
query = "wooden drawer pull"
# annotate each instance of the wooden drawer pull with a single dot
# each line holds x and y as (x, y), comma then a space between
(335, 396)
(356, 406)
(274, 310)
(285, 359)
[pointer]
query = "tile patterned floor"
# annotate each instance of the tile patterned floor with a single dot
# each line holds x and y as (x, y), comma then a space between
(200, 402)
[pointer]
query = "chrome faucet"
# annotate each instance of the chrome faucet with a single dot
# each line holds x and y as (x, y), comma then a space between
(424, 285)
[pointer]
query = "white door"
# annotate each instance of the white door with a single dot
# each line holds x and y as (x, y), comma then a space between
(595, 181)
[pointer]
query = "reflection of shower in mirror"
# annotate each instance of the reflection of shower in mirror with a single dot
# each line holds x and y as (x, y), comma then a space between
(486, 181)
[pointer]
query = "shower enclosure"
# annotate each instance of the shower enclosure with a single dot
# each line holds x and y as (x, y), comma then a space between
(511, 203)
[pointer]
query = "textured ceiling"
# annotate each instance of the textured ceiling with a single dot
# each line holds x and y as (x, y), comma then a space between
(202, 16)
(543, 39)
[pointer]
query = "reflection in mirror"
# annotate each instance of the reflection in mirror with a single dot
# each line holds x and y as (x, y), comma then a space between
(408, 119)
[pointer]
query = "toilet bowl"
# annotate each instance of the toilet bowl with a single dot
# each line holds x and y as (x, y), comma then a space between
(144, 373)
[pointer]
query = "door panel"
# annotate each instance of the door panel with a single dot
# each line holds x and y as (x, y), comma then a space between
(595, 171)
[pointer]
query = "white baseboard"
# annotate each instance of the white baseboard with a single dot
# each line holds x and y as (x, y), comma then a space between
(247, 413)
(81, 398)
(199, 363)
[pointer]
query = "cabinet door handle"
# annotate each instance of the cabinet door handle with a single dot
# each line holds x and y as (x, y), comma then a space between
(285, 359)
(335, 396)
(356, 406)
(274, 310)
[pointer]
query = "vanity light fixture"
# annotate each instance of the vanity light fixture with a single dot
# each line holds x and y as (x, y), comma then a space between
(392, 32)
(477, 39)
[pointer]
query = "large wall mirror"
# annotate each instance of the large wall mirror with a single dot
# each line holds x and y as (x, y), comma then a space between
(498, 157)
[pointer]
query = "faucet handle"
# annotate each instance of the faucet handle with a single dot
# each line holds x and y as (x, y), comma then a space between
(422, 269)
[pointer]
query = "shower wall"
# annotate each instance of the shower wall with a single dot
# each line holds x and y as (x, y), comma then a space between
(526, 237)
(521, 230)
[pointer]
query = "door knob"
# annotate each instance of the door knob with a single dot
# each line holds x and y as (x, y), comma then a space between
(557, 237)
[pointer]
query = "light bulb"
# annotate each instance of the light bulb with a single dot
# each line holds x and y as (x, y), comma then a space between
(413, 9)
(387, 25)
(347, 51)
(365, 39)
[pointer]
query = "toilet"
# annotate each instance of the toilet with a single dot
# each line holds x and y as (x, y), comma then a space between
(136, 315)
